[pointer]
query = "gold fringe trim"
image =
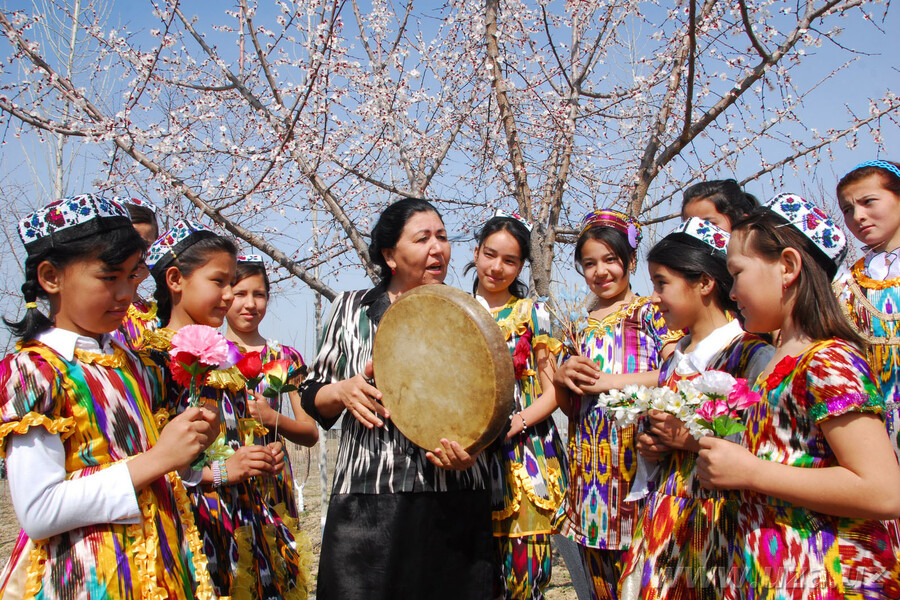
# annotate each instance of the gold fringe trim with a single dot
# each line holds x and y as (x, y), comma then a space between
(146, 548)
(517, 321)
(522, 481)
(116, 360)
(159, 339)
(873, 284)
(204, 589)
(64, 426)
(226, 379)
(162, 417)
(37, 560)
(552, 344)
(144, 315)
(305, 555)
(242, 583)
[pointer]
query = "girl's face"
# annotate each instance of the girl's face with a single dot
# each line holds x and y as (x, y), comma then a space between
(872, 213)
(603, 272)
(205, 296)
(249, 305)
(91, 296)
(706, 210)
(421, 254)
(678, 299)
(757, 286)
(498, 261)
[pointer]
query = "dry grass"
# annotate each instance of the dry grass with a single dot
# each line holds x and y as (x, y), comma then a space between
(306, 472)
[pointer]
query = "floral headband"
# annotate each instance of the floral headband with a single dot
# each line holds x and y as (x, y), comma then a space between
(71, 219)
(179, 238)
(619, 221)
(881, 164)
(698, 230)
(815, 224)
(502, 214)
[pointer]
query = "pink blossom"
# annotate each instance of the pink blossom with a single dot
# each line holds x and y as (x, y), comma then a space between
(712, 409)
(741, 396)
(202, 342)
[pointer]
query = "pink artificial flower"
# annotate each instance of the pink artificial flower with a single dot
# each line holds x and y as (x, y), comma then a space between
(202, 342)
(711, 409)
(741, 396)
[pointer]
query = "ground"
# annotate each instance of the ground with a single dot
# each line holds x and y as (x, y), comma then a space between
(311, 520)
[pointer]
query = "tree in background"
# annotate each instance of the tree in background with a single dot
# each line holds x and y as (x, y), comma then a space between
(259, 115)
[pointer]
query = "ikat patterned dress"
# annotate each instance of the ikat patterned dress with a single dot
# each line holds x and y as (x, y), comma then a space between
(527, 471)
(280, 489)
(684, 537)
(100, 405)
(791, 552)
(140, 318)
(255, 548)
(602, 459)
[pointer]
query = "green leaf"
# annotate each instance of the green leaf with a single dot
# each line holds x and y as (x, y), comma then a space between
(290, 387)
(270, 393)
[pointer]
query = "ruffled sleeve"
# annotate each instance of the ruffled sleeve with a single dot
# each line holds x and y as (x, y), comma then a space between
(30, 388)
(540, 319)
(655, 325)
(839, 381)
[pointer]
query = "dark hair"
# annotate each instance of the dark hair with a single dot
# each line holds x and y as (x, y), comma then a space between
(691, 258)
(615, 239)
(521, 234)
(889, 180)
(113, 247)
(725, 194)
(249, 269)
(142, 214)
(816, 311)
(389, 227)
(187, 261)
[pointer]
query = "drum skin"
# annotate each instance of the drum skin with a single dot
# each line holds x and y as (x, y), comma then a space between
(443, 368)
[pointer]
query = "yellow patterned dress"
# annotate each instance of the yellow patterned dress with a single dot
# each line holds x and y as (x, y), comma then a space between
(100, 405)
(527, 471)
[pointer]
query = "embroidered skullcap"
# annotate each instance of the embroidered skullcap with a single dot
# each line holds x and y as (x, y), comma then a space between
(698, 231)
(816, 225)
(136, 202)
(71, 219)
(176, 240)
(502, 214)
(619, 221)
(252, 259)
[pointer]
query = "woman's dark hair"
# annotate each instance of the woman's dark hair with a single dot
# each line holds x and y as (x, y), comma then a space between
(816, 311)
(615, 239)
(187, 261)
(725, 194)
(142, 214)
(113, 247)
(249, 269)
(691, 258)
(889, 180)
(389, 227)
(520, 233)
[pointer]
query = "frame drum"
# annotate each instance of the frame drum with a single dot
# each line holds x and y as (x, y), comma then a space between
(443, 368)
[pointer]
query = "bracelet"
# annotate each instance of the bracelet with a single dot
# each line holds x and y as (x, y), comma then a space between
(216, 467)
(524, 423)
(224, 472)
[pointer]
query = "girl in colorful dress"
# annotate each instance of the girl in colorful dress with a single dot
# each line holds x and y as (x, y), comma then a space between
(816, 469)
(251, 543)
(622, 342)
(527, 475)
(251, 298)
(683, 538)
(141, 316)
(92, 478)
(721, 202)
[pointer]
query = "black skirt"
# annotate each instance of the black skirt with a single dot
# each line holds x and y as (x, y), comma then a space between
(407, 546)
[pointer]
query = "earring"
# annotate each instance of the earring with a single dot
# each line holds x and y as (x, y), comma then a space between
(393, 271)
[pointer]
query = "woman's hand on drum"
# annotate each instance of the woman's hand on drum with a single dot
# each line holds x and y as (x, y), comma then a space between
(451, 456)
(577, 373)
(362, 399)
